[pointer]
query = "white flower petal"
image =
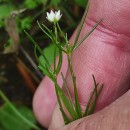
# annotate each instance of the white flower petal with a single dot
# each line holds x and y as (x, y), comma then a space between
(48, 15)
(57, 12)
(53, 17)
(57, 15)
(52, 13)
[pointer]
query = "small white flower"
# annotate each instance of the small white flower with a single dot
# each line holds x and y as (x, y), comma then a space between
(54, 17)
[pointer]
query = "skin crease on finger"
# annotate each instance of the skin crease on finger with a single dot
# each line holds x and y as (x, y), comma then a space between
(105, 54)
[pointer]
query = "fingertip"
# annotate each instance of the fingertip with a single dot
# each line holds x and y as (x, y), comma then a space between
(44, 101)
(57, 120)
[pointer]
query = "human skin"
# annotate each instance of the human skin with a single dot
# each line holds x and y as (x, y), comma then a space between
(106, 54)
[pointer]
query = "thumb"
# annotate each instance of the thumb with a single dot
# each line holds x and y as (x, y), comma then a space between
(105, 54)
(115, 117)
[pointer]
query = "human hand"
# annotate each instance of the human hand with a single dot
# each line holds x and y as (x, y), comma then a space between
(106, 54)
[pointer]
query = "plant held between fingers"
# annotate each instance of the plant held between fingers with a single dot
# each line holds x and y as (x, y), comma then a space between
(62, 45)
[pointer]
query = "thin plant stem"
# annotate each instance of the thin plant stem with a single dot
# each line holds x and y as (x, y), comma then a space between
(55, 49)
(65, 101)
(66, 120)
(61, 30)
(67, 90)
(31, 61)
(78, 108)
(43, 68)
(44, 30)
(59, 62)
(38, 47)
(60, 52)
(56, 34)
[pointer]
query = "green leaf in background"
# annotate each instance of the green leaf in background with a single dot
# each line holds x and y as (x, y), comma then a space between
(55, 2)
(82, 3)
(31, 4)
(25, 23)
(10, 121)
(49, 53)
(5, 10)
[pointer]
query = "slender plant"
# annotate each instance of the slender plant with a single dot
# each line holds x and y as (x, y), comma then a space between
(62, 45)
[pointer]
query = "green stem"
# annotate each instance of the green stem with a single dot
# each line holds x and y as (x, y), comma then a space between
(55, 29)
(66, 120)
(17, 112)
(54, 58)
(68, 92)
(78, 108)
(61, 31)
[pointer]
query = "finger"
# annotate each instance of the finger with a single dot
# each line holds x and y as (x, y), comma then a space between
(114, 117)
(105, 53)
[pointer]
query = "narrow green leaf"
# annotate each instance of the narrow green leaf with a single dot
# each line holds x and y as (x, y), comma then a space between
(41, 66)
(59, 62)
(89, 102)
(77, 104)
(39, 49)
(88, 34)
(95, 100)
(66, 120)
(90, 109)
(95, 84)
(66, 38)
(81, 25)
(48, 34)
(67, 103)
(35, 53)
(62, 33)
